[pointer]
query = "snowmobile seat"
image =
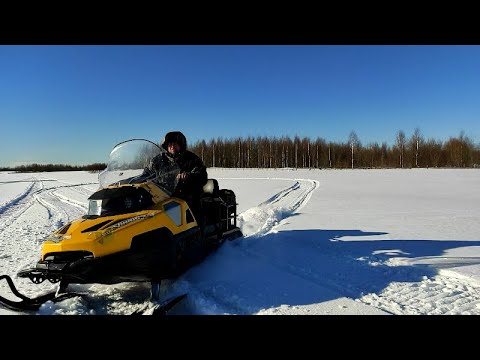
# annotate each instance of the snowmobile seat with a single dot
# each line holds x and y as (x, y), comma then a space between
(209, 201)
(211, 188)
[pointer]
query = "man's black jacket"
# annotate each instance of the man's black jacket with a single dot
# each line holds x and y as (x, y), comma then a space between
(192, 186)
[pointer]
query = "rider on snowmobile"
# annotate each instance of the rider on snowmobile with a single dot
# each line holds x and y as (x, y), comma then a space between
(193, 173)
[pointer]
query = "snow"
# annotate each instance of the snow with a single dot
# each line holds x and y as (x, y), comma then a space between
(337, 242)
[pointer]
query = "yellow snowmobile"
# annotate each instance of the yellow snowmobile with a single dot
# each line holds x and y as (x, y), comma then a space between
(134, 231)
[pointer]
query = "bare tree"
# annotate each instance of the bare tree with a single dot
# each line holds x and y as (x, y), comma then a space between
(330, 155)
(383, 158)
(459, 151)
(415, 143)
(401, 145)
(353, 141)
(251, 152)
(296, 141)
(213, 153)
(308, 152)
(270, 155)
(433, 152)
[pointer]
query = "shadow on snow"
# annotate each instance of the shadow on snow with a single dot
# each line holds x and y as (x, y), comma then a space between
(302, 267)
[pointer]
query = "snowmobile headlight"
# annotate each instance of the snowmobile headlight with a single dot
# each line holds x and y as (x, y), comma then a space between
(95, 207)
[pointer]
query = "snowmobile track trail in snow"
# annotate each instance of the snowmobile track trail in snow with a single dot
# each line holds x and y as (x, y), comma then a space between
(262, 219)
(438, 295)
(29, 217)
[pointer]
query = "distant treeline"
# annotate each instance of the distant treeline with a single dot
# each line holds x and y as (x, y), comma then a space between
(285, 152)
(55, 167)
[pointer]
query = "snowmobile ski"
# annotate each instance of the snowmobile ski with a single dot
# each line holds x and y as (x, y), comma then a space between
(162, 308)
(30, 304)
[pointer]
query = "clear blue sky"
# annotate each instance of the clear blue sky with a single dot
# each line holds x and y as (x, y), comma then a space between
(72, 104)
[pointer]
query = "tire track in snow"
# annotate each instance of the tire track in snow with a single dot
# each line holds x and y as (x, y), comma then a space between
(83, 207)
(57, 213)
(9, 204)
(82, 190)
(14, 208)
(437, 295)
(260, 220)
(62, 209)
(32, 223)
(26, 222)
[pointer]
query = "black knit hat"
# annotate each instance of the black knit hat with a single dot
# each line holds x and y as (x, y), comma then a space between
(175, 137)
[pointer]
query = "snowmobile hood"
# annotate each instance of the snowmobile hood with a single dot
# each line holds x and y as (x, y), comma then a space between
(96, 235)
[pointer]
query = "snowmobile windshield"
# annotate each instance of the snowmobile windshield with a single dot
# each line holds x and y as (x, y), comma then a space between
(139, 160)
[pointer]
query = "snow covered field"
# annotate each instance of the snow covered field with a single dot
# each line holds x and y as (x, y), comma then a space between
(315, 242)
